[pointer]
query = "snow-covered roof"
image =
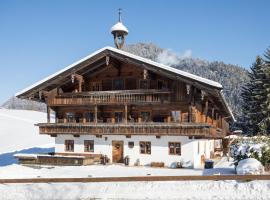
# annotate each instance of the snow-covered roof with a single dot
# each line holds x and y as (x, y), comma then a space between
(159, 65)
(119, 26)
(177, 72)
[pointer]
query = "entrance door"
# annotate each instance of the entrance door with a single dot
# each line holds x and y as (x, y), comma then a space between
(117, 151)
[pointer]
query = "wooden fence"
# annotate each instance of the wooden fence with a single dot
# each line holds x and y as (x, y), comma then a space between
(139, 178)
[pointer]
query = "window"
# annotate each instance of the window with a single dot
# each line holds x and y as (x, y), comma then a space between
(174, 148)
(70, 117)
(130, 145)
(96, 86)
(131, 84)
(89, 117)
(88, 145)
(145, 116)
(69, 145)
(176, 116)
(144, 84)
(145, 147)
(118, 84)
(161, 85)
(118, 117)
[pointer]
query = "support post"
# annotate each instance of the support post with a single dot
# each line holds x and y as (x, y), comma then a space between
(205, 112)
(96, 114)
(126, 113)
(213, 115)
(48, 114)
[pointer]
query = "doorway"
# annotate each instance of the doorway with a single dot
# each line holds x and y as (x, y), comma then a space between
(117, 151)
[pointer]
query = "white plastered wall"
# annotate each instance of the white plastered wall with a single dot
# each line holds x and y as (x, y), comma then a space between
(159, 148)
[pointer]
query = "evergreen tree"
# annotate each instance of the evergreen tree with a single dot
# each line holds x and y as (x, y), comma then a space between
(265, 123)
(253, 96)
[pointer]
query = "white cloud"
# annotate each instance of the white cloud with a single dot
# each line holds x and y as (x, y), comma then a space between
(169, 57)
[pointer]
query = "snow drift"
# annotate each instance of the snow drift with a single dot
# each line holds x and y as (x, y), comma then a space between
(249, 166)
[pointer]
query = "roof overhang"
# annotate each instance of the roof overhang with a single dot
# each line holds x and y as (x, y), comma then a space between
(197, 81)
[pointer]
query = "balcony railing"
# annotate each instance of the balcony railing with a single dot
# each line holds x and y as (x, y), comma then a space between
(182, 129)
(111, 97)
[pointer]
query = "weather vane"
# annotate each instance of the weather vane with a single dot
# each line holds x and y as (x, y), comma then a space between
(119, 13)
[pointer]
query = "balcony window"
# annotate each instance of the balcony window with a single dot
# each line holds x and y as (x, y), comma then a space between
(145, 147)
(176, 116)
(161, 85)
(145, 116)
(69, 145)
(88, 145)
(131, 84)
(89, 117)
(118, 84)
(70, 117)
(96, 86)
(144, 84)
(118, 117)
(174, 148)
(78, 118)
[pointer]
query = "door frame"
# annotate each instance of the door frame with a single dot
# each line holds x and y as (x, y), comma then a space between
(121, 142)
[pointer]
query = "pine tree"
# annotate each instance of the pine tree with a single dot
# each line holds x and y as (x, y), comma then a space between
(253, 97)
(265, 123)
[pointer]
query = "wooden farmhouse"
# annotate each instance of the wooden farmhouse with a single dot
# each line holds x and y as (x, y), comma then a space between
(115, 104)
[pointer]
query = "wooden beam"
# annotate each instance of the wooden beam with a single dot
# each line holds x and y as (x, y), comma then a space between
(205, 112)
(96, 109)
(48, 114)
(126, 113)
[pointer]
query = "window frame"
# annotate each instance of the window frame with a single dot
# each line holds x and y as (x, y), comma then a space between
(90, 142)
(146, 150)
(67, 143)
(114, 84)
(174, 148)
(145, 81)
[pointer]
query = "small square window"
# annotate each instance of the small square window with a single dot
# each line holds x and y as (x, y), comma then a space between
(130, 144)
(145, 147)
(174, 148)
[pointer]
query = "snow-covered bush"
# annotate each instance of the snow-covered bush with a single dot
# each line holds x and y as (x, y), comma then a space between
(257, 147)
(249, 166)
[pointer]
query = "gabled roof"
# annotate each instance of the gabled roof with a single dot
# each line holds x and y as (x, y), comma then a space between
(110, 50)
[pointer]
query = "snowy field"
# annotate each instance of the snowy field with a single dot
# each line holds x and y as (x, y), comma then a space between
(17, 130)
(138, 190)
(128, 190)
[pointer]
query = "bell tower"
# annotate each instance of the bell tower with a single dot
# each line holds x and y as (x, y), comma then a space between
(119, 32)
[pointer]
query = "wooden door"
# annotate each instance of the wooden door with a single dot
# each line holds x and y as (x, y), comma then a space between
(117, 151)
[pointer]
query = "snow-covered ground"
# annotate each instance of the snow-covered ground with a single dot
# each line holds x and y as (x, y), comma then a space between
(19, 135)
(128, 190)
(17, 130)
(191, 190)
(116, 170)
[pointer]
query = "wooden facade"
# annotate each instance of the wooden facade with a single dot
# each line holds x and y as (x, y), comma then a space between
(112, 94)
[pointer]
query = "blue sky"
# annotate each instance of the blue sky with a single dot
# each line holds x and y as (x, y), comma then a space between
(38, 38)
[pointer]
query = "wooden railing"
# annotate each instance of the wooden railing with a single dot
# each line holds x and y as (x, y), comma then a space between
(111, 97)
(183, 129)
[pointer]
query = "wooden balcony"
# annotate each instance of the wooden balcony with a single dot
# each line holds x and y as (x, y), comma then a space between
(159, 129)
(111, 97)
